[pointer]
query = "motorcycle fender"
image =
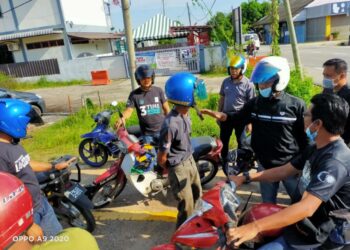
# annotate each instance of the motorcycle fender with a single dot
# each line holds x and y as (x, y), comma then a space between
(90, 135)
(164, 247)
(84, 201)
(142, 182)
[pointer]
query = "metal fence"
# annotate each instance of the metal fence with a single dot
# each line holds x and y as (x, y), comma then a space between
(171, 60)
(34, 68)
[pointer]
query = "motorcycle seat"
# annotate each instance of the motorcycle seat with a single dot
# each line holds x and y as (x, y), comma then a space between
(202, 145)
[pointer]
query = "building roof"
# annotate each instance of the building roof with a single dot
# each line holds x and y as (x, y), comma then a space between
(94, 35)
(295, 5)
(322, 2)
(31, 33)
(158, 27)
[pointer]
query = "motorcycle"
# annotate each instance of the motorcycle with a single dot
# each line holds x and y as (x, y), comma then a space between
(214, 214)
(206, 153)
(67, 196)
(100, 143)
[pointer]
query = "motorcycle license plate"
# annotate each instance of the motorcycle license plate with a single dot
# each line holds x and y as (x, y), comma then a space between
(74, 192)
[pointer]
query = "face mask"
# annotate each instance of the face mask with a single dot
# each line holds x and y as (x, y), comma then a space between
(328, 83)
(265, 92)
(311, 136)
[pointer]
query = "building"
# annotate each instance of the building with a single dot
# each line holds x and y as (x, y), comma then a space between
(60, 29)
(314, 20)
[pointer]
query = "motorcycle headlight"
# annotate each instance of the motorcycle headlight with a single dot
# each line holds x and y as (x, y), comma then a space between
(229, 201)
(202, 207)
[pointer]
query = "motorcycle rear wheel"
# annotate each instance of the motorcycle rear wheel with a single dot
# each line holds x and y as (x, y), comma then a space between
(106, 193)
(79, 216)
(93, 154)
(207, 170)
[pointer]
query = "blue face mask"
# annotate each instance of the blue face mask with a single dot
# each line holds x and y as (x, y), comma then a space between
(328, 83)
(311, 136)
(265, 92)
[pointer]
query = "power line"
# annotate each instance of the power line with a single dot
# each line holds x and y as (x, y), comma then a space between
(15, 7)
(208, 13)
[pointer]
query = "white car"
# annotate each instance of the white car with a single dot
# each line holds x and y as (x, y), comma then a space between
(252, 36)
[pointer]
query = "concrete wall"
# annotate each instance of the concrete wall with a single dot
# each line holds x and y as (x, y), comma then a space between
(81, 68)
(37, 13)
(6, 21)
(341, 24)
(213, 56)
(93, 47)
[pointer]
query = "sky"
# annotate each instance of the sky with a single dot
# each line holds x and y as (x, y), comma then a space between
(142, 10)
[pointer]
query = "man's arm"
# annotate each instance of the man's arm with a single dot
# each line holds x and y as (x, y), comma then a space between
(166, 108)
(126, 115)
(45, 166)
(215, 114)
(162, 158)
(221, 103)
(288, 216)
(269, 175)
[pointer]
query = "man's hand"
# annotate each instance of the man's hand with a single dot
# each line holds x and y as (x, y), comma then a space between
(238, 180)
(35, 232)
(119, 123)
(242, 234)
(63, 165)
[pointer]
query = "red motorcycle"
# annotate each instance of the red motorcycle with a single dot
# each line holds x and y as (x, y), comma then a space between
(213, 215)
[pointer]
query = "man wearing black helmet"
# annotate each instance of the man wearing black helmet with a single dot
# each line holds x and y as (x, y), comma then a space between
(150, 103)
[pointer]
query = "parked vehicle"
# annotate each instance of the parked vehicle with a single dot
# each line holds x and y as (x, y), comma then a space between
(206, 153)
(252, 37)
(33, 99)
(213, 215)
(100, 143)
(67, 196)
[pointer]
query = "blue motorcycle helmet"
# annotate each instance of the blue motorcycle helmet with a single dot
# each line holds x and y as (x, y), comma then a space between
(144, 71)
(182, 88)
(272, 69)
(237, 62)
(15, 115)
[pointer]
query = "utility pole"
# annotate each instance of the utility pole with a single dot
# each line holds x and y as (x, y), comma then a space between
(163, 8)
(189, 14)
(293, 39)
(129, 41)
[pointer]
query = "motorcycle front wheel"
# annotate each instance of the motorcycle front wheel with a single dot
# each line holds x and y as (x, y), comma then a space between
(79, 216)
(207, 170)
(106, 193)
(93, 154)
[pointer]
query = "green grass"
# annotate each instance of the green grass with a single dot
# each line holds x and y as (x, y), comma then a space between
(10, 83)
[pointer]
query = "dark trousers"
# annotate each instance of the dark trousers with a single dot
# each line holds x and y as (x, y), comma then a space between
(186, 186)
(226, 129)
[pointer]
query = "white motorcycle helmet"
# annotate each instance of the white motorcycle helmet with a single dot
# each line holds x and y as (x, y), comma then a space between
(272, 67)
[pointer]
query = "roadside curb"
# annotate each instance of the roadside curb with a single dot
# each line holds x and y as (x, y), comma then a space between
(166, 216)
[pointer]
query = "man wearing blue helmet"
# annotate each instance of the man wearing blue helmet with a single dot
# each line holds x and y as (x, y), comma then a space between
(175, 150)
(15, 115)
(235, 91)
(150, 104)
(277, 123)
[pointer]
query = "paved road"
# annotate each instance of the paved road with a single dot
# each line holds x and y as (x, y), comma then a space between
(313, 56)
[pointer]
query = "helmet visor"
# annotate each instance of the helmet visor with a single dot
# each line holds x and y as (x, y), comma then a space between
(34, 117)
(263, 73)
(200, 90)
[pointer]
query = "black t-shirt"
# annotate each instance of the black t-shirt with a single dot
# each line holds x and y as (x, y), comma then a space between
(175, 138)
(149, 107)
(15, 160)
(326, 175)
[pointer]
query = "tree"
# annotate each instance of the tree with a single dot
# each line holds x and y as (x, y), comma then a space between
(253, 11)
(222, 30)
(275, 48)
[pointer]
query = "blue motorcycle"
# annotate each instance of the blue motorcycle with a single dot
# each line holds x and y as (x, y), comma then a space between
(100, 142)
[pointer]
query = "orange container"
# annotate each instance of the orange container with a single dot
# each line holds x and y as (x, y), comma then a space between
(100, 77)
(253, 61)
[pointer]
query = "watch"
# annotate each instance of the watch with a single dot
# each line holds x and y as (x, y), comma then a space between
(247, 177)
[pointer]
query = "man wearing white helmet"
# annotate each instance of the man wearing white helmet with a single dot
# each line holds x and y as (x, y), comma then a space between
(277, 123)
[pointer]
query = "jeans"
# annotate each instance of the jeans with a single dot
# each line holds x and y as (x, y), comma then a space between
(269, 190)
(280, 244)
(46, 218)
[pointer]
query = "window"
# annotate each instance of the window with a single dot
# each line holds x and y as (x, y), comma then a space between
(45, 44)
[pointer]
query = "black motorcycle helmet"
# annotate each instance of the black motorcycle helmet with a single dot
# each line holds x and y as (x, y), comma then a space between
(144, 71)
